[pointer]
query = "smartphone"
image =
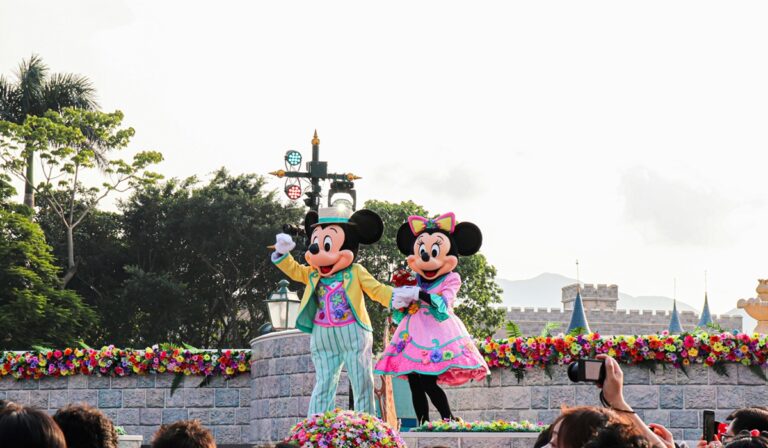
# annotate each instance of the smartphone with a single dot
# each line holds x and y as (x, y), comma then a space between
(709, 425)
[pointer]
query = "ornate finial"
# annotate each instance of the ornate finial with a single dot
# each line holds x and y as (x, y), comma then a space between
(278, 173)
(315, 140)
(351, 176)
(578, 279)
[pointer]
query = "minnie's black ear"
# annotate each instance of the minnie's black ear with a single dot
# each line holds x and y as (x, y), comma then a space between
(309, 221)
(468, 238)
(405, 239)
(368, 226)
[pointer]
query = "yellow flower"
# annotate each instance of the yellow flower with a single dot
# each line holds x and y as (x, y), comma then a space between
(612, 353)
(179, 358)
(241, 367)
(512, 358)
(686, 362)
(693, 352)
(744, 349)
(230, 371)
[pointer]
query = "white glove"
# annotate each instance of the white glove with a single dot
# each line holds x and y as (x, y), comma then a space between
(284, 243)
(404, 296)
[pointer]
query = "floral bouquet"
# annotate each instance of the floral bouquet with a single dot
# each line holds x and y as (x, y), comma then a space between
(494, 426)
(404, 277)
(342, 428)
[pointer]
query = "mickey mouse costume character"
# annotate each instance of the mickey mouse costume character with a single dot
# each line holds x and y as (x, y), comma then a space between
(332, 308)
(431, 345)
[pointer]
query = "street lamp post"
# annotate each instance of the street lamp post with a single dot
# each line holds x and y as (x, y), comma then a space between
(317, 171)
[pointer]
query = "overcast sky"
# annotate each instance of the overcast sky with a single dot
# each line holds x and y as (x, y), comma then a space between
(631, 136)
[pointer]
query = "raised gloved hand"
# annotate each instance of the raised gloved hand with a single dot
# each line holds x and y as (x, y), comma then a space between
(284, 243)
(402, 297)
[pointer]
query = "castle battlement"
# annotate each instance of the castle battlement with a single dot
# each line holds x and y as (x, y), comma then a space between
(617, 321)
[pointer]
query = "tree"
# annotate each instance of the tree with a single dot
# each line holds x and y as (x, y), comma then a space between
(199, 259)
(32, 308)
(35, 93)
(478, 292)
(66, 155)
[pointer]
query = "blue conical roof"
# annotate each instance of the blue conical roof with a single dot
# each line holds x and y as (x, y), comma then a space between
(578, 318)
(706, 317)
(674, 324)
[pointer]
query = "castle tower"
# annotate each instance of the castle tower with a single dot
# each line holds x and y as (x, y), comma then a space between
(706, 317)
(674, 323)
(593, 297)
(578, 318)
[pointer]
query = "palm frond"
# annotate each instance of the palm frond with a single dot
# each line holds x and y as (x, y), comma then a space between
(69, 90)
(32, 73)
(9, 101)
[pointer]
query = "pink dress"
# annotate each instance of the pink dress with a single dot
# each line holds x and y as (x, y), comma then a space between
(431, 340)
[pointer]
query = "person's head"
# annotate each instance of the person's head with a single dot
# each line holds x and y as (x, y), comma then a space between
(26, 427)
(544, 437)
(747, 419)
(86, 427)
(618, 434)
(183, 434)
(574, 427)
(748, 439)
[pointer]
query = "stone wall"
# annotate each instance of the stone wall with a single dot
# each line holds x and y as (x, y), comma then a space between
(532, 320)
(282, 379)
(141, 404)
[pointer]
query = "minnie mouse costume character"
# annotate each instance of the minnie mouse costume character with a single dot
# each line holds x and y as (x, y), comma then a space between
(431, 345)
(332, 308)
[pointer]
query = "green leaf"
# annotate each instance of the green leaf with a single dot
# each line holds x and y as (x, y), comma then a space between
(548, 370)
(41, 349)
(577, 331)
(519, 374)
(190, 348)
(513, 330)
(206, 381)
(549, 328)
(719, 368)
(177, 380)
(758, 371)
(82, 344)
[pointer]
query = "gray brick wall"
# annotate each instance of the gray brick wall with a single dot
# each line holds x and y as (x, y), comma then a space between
(142, 403)
(282, 378)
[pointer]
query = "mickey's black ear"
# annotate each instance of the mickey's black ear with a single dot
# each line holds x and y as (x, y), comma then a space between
(405, 239)
(368, 226)
(468, 238)
(309, 221)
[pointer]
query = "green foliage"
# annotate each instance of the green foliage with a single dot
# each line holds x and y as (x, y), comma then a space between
(33, 310)
(577, 331)
(715, 327)
(479, 290)
(513, 330)
(71, 144)
(200, 267)
(549, 328)
(720, 369)
(758, 371)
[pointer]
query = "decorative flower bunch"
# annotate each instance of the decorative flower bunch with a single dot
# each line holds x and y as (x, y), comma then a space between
(698, 347)
(112, 361)
(479, 426)
(404, 277)
(341, 428)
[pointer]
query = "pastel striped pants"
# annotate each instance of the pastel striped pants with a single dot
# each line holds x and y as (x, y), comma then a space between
(332, 348)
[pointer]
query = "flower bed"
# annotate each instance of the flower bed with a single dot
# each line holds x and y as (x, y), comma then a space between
(479, 426)
(679, 351)
(344, 428)
(112, 361)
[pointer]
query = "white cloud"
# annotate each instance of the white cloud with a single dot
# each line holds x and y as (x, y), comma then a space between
(672, 211)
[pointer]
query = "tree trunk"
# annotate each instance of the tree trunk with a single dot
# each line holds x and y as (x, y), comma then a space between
(29, 192)
(71, 266)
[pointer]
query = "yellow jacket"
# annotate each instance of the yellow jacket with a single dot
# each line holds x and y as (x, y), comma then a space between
(356, 281)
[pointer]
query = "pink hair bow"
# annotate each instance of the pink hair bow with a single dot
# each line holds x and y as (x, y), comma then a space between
(446, 221)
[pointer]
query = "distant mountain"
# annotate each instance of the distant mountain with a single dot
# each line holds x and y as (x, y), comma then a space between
(545, 291)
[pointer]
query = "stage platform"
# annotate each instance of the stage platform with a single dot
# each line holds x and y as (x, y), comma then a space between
(469, 439)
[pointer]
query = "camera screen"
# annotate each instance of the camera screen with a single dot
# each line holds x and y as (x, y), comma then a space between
(592, 370)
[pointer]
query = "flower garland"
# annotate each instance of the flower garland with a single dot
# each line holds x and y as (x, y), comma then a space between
(479, 426)
(112, 361)
(341, 428)
(680, 351)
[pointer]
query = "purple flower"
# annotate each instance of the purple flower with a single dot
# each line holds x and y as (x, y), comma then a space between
(338, 313)
(436, 355)
(400, 346)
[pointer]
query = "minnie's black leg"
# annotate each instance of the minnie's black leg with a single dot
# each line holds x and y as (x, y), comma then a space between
(419, 396)
(436, 395)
